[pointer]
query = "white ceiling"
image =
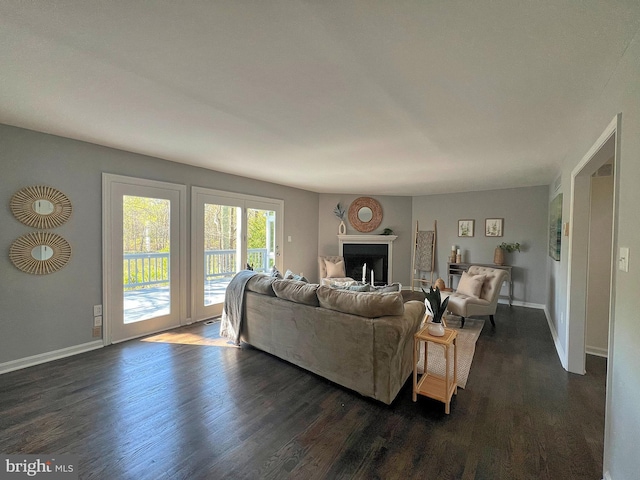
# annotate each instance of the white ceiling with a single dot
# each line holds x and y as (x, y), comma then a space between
(378, 96)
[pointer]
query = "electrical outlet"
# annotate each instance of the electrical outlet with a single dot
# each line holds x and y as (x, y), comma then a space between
(97, 310)
(97, 332)
(623, 259)
(97, 321)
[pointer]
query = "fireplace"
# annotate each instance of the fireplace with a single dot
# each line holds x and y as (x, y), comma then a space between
(373, 250)
(373, 257)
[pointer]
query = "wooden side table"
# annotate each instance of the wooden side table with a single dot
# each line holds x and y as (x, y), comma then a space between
(430, 385)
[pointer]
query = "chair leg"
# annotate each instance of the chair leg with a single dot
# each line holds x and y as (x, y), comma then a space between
(461, 322)
(493, 322)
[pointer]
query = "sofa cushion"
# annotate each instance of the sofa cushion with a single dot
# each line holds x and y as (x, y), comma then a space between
(296, 291)
(471, 284)
(335, 270)
(364, 304)
(262, 283)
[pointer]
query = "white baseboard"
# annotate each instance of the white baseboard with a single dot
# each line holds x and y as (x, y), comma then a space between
(518, 303)
(554, 334)
(49, 356)
(597, 351)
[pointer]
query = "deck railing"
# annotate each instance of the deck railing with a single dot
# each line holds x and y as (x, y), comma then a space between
(152, 269)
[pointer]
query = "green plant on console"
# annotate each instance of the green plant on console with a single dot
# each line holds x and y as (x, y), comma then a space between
(509, 247)
(434, 304)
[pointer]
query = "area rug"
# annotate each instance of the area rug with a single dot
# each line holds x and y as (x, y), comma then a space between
(465, 343)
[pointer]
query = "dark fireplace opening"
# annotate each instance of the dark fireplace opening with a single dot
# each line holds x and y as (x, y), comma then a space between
(375, 256)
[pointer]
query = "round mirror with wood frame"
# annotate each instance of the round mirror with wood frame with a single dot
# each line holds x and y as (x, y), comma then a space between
(365, 214)
(40, 206)
(40, 253)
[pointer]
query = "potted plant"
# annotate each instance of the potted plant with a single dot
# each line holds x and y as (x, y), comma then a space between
(436, 308)
(340, 212)
(498, 255)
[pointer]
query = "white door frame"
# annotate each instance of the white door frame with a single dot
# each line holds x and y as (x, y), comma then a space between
(108, 180)
(578, 248)
(578, 261)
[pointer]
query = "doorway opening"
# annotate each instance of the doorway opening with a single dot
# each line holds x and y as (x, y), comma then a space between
(605, 151)
(587, 252)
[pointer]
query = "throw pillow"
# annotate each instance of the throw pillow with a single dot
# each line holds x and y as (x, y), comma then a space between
(352, 286)
(471, 285)
(288, 275)
(335, 270)
(394, 287)
(300, 278)
(275, 273)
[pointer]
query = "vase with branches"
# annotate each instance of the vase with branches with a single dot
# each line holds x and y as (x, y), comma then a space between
(340, 212)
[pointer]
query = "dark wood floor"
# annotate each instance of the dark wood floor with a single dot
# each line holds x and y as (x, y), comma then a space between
(198, 408)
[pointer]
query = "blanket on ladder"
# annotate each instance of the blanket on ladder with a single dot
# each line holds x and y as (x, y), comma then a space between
(233, 308)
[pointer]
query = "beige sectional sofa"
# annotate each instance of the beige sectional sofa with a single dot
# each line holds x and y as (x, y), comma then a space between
(360, 340)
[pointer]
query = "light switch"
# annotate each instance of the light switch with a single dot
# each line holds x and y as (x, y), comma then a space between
(623, 259)
(289, 239)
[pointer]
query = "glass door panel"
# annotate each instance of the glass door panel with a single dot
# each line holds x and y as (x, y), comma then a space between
(261, 239)
(146, 256)
(221, 257)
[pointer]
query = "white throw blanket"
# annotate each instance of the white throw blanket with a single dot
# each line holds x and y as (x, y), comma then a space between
(232, 312)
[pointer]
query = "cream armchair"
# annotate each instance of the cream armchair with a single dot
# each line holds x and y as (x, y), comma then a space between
(477, 293)
(332, 269)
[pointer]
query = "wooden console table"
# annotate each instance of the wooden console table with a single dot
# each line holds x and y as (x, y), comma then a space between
(456, 269)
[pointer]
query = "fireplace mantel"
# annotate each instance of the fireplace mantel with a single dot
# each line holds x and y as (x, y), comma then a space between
(371, 239)
(366, 239)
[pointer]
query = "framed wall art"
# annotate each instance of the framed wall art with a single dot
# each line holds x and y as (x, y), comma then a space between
(465, 228)
(493, 227)
(555, 227)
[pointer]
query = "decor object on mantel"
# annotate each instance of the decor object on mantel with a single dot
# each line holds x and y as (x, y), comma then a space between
(498, 255)
(436, 309)
(365, 214)
(339, 212)
(387, 231)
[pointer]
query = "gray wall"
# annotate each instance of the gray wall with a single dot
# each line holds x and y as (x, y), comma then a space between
(621, 95)
(396, 214)
(524, 211)
(40, 314)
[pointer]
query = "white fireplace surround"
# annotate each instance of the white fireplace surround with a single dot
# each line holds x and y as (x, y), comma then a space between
(371, 239)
